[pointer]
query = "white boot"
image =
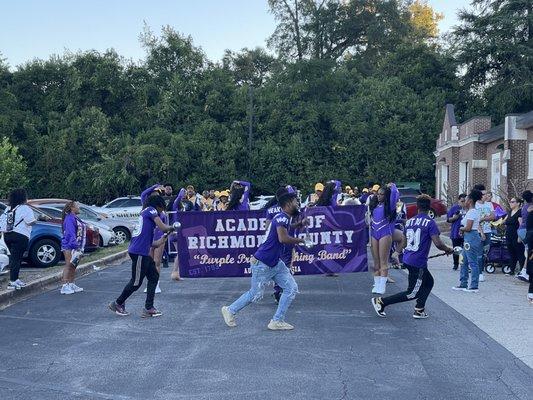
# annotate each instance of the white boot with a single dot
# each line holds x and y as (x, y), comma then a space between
(382, 285)
(376, 285)
(157, 288)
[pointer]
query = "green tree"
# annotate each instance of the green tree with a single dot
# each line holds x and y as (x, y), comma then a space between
(494, 48)
(12, 167)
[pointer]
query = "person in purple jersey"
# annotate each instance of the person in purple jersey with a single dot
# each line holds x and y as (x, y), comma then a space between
(142, 264)
(420, 232)
(175, 274)
(454, 217)
(272, 209)
(266, 266)
(382, 210)
(239, 198)
(154, 189)
(72, 244)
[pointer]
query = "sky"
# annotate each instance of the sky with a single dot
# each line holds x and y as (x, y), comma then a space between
(40, 28)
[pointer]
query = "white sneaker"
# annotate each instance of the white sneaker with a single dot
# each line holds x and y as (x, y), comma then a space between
(279, 326)
(13, 286)
(157, 288)
(481, 278)
(229, 318)
(530, 298)
(20, 283)
(76, 288)
(67, 289)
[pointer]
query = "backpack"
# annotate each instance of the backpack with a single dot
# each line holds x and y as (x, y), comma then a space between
(10, 220)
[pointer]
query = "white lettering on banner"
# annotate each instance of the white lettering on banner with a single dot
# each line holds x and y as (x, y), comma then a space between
(243, 225)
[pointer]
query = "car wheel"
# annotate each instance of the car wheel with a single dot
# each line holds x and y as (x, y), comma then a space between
(122, 234)
(45, 253)
(431, 213)
(101, 244)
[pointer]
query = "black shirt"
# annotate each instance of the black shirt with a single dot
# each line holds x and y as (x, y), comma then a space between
(511, 226)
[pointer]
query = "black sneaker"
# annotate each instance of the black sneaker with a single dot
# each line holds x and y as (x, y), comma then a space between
(420, 314)
(152, 312)
(378, 306)
(460, 287)
(455, 267)
(118, 309)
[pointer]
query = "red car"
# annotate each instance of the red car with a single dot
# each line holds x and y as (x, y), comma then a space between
(438, 208)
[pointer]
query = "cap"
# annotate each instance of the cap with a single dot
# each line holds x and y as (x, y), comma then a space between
(365, 190)
(217, 193)
(375, 188)
(224, 193)
(319, 186)
(348, 187)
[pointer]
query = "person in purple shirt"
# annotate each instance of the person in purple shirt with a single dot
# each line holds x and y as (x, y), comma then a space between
(454, 217)
(173, 217)
(382, 211)
(329, 196)
(239, 198)
(266, 265)
(154, 189)
(142, 263)
(72, 245)
(272, 209)
(420, 232)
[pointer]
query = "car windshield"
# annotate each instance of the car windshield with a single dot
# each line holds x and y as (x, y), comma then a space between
(53, 212)
(115, 203)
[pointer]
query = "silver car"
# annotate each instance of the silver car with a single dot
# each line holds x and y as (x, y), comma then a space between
(128, 208)
(123, 228)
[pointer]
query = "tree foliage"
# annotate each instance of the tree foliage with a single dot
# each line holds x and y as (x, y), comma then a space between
(357, 93)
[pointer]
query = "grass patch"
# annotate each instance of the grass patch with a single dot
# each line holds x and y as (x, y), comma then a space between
(104, 252)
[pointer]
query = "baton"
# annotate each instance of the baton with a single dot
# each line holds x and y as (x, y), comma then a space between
(456, 251)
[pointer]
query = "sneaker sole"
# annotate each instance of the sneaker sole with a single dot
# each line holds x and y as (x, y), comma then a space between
(377, 310)
(151, 315)
(420, 317)
(280, 329)
(116, 312)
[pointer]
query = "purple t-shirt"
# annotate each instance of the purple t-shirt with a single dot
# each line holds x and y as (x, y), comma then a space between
(272, 212)
(418, 232)
(523, 215)
(74, 233)
(269, 251)
(456, 225)
(143, 235)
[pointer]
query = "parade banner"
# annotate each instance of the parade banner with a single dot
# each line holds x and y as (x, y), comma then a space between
(220, 243)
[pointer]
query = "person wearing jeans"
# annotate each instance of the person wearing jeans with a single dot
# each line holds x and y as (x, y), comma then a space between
(487, 215)
(472, 247)
(266, 266)
(454, 217)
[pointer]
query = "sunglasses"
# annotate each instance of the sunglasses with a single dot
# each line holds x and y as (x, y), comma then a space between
(512, 201)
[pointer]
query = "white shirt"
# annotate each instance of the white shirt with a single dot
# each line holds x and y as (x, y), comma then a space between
(485, 208)
(472, 215)
(24, 218)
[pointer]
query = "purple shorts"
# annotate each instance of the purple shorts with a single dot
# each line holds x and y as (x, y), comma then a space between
(382, 231)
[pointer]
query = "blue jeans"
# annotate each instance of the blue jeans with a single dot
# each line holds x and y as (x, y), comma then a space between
(472, 252)
(262, 274)
(485, 244)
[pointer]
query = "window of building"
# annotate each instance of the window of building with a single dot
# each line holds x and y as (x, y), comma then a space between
(464, 177)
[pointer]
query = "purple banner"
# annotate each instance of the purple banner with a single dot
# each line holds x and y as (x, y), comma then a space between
(219, 244)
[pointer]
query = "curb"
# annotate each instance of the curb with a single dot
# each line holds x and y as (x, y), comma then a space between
(52, 282)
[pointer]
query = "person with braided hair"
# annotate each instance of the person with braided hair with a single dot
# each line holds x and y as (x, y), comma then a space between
(72, 245)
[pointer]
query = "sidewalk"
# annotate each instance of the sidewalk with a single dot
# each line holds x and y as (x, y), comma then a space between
(499, 308)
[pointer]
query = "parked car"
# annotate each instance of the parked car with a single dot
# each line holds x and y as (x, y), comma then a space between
(259, 202)
(44, 247)
(123, 228)
(438, 208)
(128, 208)
(107, 236)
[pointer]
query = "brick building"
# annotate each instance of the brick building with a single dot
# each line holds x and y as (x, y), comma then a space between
(500, 157)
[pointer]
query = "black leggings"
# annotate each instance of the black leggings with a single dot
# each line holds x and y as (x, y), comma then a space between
(141, 266)
(17, 244)
(420, 285)
(516, 251)
(457, 242)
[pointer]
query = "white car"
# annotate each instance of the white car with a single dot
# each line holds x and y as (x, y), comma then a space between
(259, 202)
(122, 208)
